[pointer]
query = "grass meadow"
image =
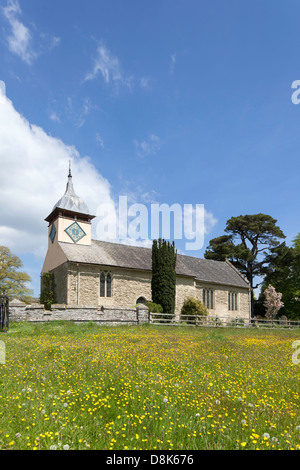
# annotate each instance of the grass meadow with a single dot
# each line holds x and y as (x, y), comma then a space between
(85, 386)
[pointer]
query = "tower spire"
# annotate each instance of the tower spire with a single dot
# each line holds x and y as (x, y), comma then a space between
(70, 173)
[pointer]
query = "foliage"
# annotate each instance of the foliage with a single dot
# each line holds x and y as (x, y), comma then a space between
(272, 302)
(12, 281)
(90, 387)
(192, 306)
(284, 275)
(48, 297)
(163, 283)
(154, 308)
(249, 241)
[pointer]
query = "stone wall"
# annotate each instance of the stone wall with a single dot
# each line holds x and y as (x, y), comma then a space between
(111, 315)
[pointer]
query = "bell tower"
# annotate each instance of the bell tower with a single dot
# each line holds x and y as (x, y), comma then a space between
(68, 222)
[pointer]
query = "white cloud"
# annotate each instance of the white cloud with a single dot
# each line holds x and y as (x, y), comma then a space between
(20, 38)
(54, 117)
(172, 63)
(109, 67)
(2, 88)
(145, 83)
(147, 147)
(99, 140)
(78, 113)
(34, 168)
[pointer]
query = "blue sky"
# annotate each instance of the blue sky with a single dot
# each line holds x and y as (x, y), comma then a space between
(184, 102)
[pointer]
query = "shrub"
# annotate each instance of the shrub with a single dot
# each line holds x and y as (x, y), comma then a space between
(47, 297)
(273, 302)
(193, 307)
(154, 308)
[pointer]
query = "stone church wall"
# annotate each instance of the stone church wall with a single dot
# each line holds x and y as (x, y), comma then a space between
(83, 289)
(127, 286)
(221, 300)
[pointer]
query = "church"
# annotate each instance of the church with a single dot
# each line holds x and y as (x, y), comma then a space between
(99, 274)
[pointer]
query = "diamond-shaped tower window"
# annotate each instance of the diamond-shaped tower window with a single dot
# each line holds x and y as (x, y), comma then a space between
(52, 233)
(75, 232)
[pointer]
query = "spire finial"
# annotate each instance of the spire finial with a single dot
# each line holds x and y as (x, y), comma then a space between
(70, 174)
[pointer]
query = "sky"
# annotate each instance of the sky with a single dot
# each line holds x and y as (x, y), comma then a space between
(164, 102)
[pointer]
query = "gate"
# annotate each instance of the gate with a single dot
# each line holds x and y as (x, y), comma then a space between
(4, 313)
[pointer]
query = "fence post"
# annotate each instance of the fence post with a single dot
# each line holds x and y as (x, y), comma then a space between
(4, 313)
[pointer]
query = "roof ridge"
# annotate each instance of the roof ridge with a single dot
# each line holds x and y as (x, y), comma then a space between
(120, 244)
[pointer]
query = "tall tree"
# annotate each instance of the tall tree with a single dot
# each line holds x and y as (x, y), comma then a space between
(12, 281)
(163, 283)
(284, 275)
(247, 246)
(48, 295)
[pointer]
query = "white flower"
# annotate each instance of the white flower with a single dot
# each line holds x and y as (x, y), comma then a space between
(66, 447)
(65, 405)
(218, 402)
(297, 428)
(18, 435)
(266, 435)
(197, 414)
(52, 447)
(165, 400)
(243, 421)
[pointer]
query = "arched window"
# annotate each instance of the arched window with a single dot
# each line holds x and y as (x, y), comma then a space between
(108, 285)
(232, 301)
(105, 285)
(141, 300)
(102, 285)
(208, 298)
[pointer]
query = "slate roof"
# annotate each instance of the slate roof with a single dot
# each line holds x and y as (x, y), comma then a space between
(70, 201)
(140, 258)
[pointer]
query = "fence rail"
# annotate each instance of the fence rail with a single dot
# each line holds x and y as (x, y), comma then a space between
(220, 322)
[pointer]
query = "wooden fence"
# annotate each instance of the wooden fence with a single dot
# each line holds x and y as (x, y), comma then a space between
(220, 322)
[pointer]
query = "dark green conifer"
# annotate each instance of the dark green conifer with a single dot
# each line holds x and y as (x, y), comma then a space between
(163, 283)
